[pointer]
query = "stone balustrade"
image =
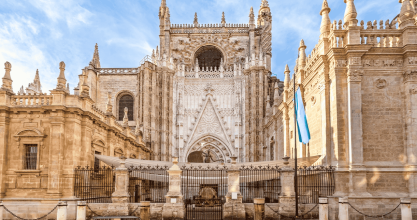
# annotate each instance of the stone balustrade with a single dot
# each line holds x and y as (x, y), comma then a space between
(120, 71)
(31, 100)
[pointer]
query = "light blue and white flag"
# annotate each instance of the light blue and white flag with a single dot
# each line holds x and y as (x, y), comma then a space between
(303, 131)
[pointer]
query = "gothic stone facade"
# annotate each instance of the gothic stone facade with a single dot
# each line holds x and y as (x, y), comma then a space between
(209, 86)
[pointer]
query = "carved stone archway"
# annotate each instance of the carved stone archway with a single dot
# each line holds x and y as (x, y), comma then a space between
(219, 149)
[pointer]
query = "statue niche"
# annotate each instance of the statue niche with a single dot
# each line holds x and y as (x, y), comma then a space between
(209, 56)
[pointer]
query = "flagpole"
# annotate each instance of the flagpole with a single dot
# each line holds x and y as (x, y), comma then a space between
(295, 148)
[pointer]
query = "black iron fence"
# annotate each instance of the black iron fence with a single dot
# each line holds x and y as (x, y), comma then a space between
(315, 182)
(204, 190)
(94, 185)
(147, 183)
(260, 182)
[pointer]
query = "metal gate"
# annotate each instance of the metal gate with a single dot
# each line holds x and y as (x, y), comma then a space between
(204, 190)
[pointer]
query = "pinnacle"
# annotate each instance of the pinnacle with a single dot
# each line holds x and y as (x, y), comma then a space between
(287, 69)
(264, 4)
(325, 7)
(223, 19)
(302, 43)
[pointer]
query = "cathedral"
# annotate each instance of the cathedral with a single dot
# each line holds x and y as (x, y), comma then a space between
(209, 87)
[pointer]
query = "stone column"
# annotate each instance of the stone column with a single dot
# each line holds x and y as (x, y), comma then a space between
(145, 210)
(406, 213)
(62, 211)
(233, 208)
(287, 198)
(343, 209)
(174, 206)
(120, 197)
(81, 210)
(259, 204)
(323, 209)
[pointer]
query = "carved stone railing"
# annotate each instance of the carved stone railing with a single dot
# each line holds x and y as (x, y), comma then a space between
(209, 73)
(209, 28)
(382, 38)
(123, 71)
(31, 100)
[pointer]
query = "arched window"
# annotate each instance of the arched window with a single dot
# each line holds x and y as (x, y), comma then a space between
(209, 56)
(118, 152)
(126, 101)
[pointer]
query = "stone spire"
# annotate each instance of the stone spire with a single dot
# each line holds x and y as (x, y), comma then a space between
(162, 9)
(264, 4)
(167, 17)
(325, 20)
(61, 85)
(96, 58)
(302, 60)
(287, 77)
(251, 18)
(350, 13)
(7, 80)
(195, 19)
(223, 19)
(35, 87)
(406, 15)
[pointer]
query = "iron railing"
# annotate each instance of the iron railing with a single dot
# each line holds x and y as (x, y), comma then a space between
(94, 185)
(204, 190)
(315, 182)
(147, 183)
(260, 182)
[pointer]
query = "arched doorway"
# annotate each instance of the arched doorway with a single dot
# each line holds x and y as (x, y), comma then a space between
(209, 56)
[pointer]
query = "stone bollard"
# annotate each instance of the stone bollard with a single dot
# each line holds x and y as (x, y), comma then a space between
(343, 209)
(323, 209)
(1, 210)
(259, 204)
(406, 209)
(62, 211)
(81, 210)
(145, 210)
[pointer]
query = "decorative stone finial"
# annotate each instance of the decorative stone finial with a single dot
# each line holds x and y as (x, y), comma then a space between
(95, 62)
(252, 18)
(350, 13)
(85, 88)
(407, 13)
(109, 106)
(126, 118)
(7, 79)
(264, 4)
(195, 19)
(287, 76)
(286, 158)
(61, 79)
(303, 57)
(223, 19)
(325, 21)
(137, 129)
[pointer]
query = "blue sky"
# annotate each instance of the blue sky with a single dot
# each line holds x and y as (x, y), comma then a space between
(38, 34)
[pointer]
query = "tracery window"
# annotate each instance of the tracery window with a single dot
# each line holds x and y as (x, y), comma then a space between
(209, 56)
(126, 101)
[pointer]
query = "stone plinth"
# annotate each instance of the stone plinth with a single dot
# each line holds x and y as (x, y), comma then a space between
(343, 209)
(62, 211)
(406, 213)
(323, 209)
(145, 210)
(121, 193)
(81, 210)
(287, 200)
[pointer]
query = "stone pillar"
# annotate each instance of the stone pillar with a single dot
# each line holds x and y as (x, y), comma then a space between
(62, 211)
(81, 210)
(174, 206)
(287, 199)
(259, 204)
(343, 209)
(358, 182)
(406, 213)
(145, 210)
(120, 197)
(323, 209)
(233, 208)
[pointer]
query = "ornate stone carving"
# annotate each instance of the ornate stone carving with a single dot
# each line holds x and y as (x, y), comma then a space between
(355, 61)
(354, 75)
(410, 76)
(412, 60)
(381, 83)
(382, 63)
